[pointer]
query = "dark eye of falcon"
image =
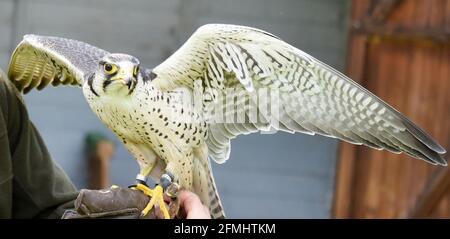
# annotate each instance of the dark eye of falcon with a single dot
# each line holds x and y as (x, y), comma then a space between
(109, 68)
(135, 71)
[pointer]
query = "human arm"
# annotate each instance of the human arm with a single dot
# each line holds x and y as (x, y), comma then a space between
(33, 185)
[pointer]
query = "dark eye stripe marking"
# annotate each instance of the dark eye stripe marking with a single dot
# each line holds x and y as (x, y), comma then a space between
(136, 71)
(108, 77)
(90, 81)
(106, 83)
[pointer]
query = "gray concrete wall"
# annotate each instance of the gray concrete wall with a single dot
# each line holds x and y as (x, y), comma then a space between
(264, 171)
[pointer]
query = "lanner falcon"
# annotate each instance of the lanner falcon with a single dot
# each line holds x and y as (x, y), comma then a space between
(226, 80)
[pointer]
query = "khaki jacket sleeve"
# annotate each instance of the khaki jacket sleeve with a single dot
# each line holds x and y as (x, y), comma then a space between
(31, 183)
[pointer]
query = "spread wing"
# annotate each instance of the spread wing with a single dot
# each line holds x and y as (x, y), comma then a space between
(40, 60)
(311, 96)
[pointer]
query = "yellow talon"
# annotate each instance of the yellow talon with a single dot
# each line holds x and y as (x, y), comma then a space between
(157, 197)
(146, 190)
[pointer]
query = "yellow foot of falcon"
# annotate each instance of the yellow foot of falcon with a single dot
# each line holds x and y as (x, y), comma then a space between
(157, 198)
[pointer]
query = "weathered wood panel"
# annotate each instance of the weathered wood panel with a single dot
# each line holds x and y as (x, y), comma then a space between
(413, 75)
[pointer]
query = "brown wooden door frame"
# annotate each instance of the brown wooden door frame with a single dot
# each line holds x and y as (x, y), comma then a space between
(368, 18)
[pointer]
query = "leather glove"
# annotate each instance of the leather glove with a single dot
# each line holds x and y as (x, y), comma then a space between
(115, 202)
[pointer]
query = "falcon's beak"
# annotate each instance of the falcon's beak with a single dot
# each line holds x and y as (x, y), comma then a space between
(119, 80)
(129, 82)
(127, 79)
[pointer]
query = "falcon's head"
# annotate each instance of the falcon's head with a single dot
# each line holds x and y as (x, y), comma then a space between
(117, 74)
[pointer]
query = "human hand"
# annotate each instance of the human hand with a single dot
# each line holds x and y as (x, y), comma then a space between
(190, 203)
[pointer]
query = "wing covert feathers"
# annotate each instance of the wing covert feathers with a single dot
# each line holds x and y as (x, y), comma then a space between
(311, 97)
(40, 60)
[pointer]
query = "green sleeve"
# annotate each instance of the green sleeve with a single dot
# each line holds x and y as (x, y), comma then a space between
(31, 183)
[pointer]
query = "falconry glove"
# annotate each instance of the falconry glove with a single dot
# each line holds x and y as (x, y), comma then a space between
(115, 203)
